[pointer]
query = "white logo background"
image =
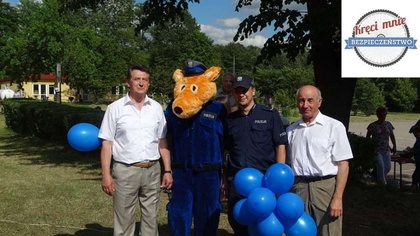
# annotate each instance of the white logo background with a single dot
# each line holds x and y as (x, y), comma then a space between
(352, 66)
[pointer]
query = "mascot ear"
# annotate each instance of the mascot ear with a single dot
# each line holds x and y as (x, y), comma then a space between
(212, 73)
(178, 75)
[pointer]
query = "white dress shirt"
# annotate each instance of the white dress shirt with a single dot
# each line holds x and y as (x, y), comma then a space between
(134, 133)
(315, 149)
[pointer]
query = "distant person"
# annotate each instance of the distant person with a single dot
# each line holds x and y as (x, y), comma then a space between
(17, 94)
(414, 126)
(318, 152)
(415, 151)
(224, 94)
(255, 138)
(381, 131)
(23, 93)
(133, 131)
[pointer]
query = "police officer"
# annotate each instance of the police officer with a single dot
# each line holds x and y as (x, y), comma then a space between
(255, 137)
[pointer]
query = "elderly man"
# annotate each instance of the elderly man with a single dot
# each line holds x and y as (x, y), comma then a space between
(318, 152)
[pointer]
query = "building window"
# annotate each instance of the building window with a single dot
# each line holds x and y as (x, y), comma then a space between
(40, 90)
(51, 89)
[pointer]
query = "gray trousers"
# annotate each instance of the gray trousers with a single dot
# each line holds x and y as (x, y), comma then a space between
(134, 184)
(317, 196)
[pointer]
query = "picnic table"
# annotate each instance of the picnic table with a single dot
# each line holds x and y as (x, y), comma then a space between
(401, 160)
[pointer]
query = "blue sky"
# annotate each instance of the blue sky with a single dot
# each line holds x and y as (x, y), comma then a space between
(219, 21)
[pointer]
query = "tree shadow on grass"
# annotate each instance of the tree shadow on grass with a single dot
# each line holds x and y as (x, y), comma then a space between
(95, 229)
(48, 152)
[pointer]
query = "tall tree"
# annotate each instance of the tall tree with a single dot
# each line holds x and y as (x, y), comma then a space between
(318, 29)
(367, 97)
(8, 26)
(101, 43)
(238, 59)
(402, 96)
(171, 45)
(94, 44)
(37, 46)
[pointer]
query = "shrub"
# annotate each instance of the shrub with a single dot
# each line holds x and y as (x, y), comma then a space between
(363, 155)
(47, 120)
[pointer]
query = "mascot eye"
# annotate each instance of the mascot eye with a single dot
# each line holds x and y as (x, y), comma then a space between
(194, 88)
(182, 87)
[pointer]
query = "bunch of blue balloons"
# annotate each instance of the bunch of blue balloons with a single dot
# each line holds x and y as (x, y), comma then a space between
(268, 208)
(84, 137)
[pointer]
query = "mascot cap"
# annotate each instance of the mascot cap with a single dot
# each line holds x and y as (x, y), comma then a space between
(243, 81)
(194, 68)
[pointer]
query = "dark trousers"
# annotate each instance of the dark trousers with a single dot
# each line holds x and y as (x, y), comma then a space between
(416, 175)
(234, 197)
(195, 195)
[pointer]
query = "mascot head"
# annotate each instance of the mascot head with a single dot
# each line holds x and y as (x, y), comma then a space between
(194, 87)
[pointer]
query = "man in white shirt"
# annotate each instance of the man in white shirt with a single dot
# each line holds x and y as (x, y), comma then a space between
(133, 132)
(318, 152)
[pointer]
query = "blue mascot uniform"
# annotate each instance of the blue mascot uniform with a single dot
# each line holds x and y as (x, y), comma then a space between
(196, 159)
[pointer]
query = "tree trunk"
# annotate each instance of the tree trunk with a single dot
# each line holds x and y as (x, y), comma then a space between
(337, 93)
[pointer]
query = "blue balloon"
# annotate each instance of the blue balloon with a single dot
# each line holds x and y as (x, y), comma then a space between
(84, 137)
(279, 178)
(289, 207)
(242, 214)
(246, 180)
(270, 226)
(261, 202)
(304, 226)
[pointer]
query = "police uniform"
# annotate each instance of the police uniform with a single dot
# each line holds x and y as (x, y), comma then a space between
(252, 139)
(196, 159)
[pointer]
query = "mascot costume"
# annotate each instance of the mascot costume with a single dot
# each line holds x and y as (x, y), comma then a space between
(195, 129)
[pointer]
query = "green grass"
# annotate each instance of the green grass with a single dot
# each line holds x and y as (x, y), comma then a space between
(392, 116)
(50, 189)
(360, 117)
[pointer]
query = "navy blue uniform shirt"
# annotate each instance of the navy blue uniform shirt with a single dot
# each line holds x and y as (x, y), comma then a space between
(252, 139)
(196, 142)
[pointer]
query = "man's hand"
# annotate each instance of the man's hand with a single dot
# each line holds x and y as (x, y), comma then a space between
(167, 181)
(108, 184)
(336, 207)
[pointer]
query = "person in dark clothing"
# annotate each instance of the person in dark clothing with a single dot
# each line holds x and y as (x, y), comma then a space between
(255, 138)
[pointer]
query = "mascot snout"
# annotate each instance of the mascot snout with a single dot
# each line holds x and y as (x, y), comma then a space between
(178, 110)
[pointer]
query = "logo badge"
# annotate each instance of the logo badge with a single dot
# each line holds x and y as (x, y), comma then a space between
(381, 38)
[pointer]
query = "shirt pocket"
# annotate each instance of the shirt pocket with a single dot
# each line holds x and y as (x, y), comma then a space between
(261, 133)
(319, 146)
(207, 127)
(149, 128)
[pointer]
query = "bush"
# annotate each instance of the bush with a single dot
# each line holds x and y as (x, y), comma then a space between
(47, 120)
(363, 161)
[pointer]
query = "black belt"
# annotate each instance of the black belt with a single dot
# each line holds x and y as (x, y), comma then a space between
(200, 168)
(313, 178)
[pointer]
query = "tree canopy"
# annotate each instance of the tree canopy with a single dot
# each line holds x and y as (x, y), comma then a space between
(95, 41)
(318, 29)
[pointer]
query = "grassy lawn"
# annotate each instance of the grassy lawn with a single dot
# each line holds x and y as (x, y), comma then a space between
(51, 189)
(360, 117)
